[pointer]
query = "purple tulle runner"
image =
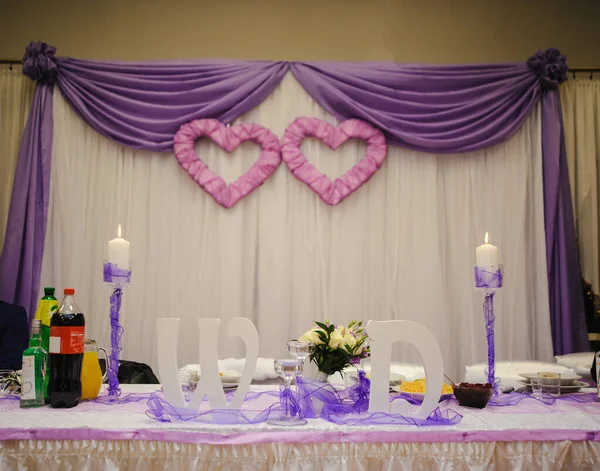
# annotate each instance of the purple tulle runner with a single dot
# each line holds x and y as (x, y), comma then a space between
(346, 407)
(159, 409)
(10, 397)
(126, 399)
(514, 398)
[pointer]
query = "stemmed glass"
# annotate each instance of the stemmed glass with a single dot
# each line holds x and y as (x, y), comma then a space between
(288, 369)
(300, 350)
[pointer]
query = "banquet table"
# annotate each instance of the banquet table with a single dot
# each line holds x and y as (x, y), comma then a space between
(98, 436)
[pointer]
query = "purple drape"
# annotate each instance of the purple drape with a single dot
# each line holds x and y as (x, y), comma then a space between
(429, 108)
(569, 329)
(143, 104)
(438, 109)
(21, 259)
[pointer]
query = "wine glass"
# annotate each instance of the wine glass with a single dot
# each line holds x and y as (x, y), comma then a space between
(299, 350)
(288, 370)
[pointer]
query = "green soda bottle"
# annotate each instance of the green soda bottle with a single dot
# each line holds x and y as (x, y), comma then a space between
(47, 307)
(34, 370)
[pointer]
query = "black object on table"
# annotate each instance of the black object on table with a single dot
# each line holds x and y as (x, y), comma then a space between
(132, 372)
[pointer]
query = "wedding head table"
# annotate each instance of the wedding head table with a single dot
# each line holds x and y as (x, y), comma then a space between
(96, 435)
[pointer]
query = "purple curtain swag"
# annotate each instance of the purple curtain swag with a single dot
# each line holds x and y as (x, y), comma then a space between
(438, 109)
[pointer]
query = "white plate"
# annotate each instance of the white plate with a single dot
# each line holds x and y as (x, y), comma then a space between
(395, 378)
(564, 380)
(230, 377)
(575, 386)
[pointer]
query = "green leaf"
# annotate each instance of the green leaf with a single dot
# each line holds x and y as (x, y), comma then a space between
(321, 325)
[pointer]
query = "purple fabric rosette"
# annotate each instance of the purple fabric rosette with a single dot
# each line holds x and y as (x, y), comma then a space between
(39, 63)
(550, 66)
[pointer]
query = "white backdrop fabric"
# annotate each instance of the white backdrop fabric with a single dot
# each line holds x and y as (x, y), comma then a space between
(581, 113)
(402, 247)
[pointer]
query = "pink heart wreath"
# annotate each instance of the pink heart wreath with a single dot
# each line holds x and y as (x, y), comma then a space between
(227, 138)
(334, 192)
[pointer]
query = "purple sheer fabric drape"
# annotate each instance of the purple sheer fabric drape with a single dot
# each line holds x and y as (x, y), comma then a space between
(143, 104)
(567, 312)
(21, 259)
(438, 109)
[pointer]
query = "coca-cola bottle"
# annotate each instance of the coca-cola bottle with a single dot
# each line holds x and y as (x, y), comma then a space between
(67, 336)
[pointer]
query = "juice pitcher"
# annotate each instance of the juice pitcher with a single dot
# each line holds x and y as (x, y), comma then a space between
(91, 375)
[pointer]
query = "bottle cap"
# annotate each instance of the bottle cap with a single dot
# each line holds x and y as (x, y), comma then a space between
(36, 326)
(69, 291)
(49, 291)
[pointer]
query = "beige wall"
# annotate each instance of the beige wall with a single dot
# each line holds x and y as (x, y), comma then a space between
(443, 31)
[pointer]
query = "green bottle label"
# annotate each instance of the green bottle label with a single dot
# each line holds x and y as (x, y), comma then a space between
(46, 309)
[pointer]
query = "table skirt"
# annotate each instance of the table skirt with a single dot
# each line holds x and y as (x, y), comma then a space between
(140, 455)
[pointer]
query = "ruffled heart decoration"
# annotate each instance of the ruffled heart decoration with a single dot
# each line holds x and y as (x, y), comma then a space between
(332, 192)
(229, 138)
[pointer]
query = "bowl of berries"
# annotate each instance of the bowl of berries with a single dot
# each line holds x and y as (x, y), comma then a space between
(473, 394)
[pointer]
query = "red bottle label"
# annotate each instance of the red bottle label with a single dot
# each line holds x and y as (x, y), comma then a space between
(67, 340)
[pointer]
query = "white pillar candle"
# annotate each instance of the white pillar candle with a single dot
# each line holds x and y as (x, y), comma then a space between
(118, 251)
(486, 254)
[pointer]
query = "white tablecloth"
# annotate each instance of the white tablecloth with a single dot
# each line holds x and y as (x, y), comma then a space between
(99, 436)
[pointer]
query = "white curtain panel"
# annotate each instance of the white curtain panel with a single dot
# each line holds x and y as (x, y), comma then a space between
(16, 93)
(581, 114)
(402, 247)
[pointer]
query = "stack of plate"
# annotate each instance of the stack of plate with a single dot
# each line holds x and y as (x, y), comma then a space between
(568, 384)
(229, 379)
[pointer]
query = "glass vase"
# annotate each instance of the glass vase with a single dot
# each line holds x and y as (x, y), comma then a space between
(322, 376)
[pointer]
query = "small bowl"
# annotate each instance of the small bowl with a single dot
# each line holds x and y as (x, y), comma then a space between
(475, 395)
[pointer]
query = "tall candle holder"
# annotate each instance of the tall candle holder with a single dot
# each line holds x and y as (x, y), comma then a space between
(117, 276)
(489, 279)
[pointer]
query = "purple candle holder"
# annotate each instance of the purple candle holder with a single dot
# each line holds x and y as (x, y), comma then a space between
(116, 276)
(490, 279)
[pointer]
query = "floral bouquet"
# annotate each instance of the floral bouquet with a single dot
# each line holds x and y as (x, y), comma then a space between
(336, 347)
